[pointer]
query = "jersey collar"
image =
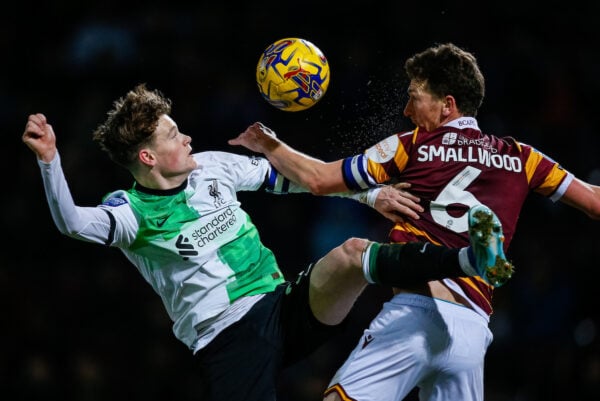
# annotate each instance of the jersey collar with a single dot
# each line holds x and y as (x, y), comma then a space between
(463, 122)
(165, 192)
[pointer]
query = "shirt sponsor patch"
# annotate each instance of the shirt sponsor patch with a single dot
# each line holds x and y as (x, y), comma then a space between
(115, 202)
(384, 150)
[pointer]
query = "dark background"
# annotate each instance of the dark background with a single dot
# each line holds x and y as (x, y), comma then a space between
(79, 322)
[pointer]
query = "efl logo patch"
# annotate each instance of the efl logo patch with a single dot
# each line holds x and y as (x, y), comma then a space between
(115, 202)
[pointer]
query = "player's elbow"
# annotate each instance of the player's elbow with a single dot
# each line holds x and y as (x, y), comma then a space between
(320, 189)
(323, 178)
(68, 228)
(585, 197)
(321, 185)
(592, 207)
(594, 212)
(69, 232)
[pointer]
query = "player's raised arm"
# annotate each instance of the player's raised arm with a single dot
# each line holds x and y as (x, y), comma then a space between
(84, 223)
(319, 177)
(39, 137)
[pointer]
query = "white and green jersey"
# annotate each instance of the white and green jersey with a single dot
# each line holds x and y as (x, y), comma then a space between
(194, 244)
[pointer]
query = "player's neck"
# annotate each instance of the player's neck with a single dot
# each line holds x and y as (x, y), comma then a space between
(156, 181)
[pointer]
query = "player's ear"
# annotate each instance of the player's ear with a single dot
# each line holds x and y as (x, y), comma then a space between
(146, 156)
(449, 105)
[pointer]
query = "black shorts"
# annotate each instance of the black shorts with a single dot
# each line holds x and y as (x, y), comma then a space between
(245, 360)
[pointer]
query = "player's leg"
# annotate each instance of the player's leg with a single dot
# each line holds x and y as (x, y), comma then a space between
(458, 371)
(229, 367)
(336, 281)
(392, 356)
(487, 241)
(339, 277)
(416, 341)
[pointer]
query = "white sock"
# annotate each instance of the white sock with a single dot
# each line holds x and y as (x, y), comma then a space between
(465, 262)
(365, 258)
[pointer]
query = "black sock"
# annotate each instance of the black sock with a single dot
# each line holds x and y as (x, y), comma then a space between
(401, 265)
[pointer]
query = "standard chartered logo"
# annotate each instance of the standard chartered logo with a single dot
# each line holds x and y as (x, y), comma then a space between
(214, 228)
(206, 231)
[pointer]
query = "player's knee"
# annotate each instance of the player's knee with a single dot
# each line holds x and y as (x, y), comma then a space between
(354, 245)
(342, 261)
(352, 250)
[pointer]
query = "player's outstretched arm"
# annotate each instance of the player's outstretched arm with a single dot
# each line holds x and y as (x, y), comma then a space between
(39, 137)
(85, 223)
(583, 196)
(319, 177)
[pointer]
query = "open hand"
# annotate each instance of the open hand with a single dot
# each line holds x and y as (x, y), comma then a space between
(396, 203)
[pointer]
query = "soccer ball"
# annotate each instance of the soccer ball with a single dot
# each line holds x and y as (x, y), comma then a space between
(292, 74)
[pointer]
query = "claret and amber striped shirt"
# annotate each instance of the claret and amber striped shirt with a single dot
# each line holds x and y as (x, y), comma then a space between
(451, 169)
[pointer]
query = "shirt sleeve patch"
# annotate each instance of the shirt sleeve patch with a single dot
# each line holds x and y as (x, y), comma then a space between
(383, 151)
(114, 201)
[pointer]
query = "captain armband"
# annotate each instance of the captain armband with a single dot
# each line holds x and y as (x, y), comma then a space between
(278, 184)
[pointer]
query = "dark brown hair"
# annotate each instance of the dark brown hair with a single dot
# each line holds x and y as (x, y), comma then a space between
(131, 123)
(449, 70)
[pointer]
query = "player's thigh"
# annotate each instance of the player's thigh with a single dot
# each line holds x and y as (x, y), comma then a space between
(303, 332)
(389, 360)
(459, 370)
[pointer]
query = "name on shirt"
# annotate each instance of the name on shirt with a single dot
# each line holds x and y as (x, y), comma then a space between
(469, 154)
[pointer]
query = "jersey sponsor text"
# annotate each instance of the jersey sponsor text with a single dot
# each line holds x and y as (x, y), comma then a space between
(217, 226)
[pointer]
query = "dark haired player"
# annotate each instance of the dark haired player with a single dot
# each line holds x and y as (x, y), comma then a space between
(433, 336)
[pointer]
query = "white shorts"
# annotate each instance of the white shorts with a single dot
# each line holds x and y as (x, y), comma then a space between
(417, 341)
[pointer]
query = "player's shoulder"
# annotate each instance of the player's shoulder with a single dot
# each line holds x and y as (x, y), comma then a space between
(208, 156)
(115, 198)
(508, 142)
(227, 160)
(219, 156)
(392, 141)
(119, 206)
